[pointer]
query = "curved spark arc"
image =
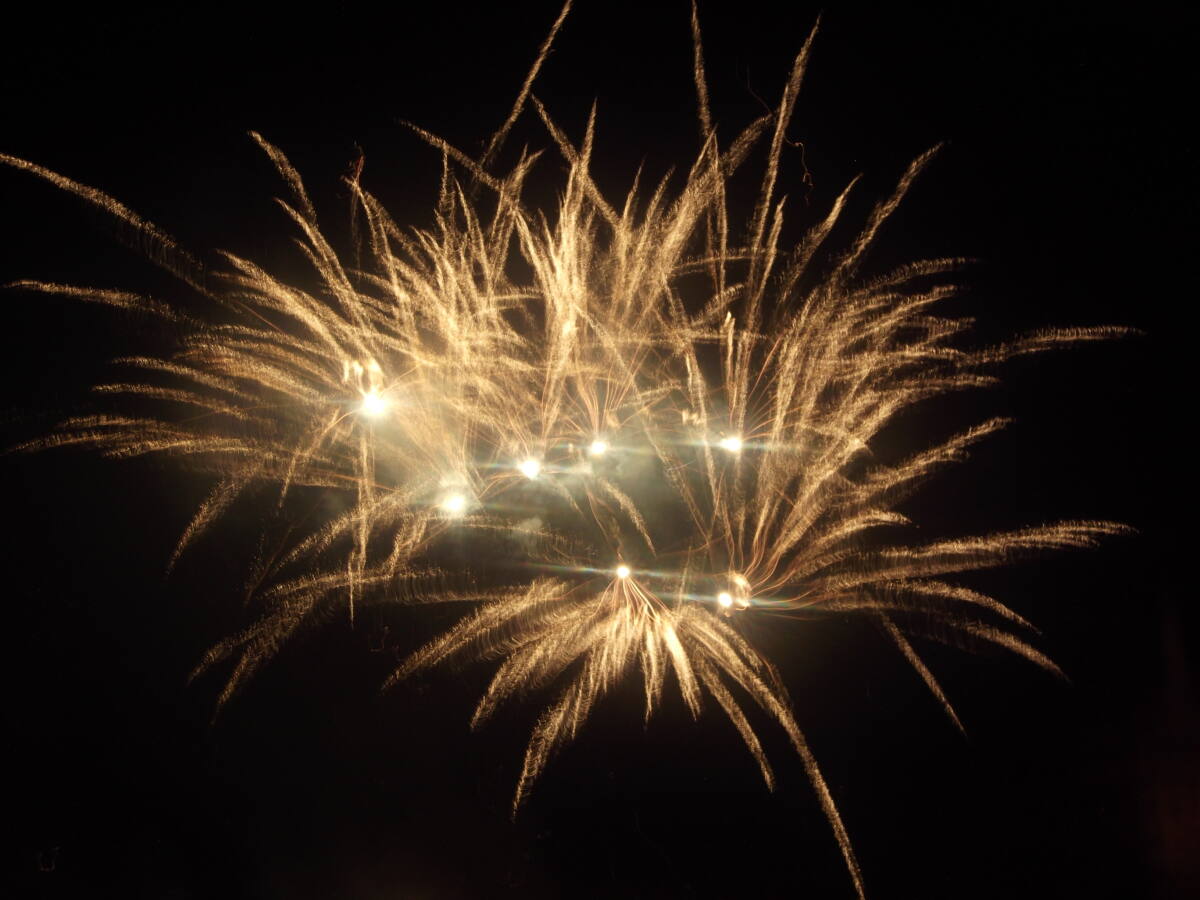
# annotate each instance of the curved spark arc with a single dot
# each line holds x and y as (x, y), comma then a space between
(675, 460)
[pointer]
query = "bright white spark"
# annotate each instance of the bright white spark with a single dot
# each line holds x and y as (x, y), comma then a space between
(454, 504)
(732, 443)
(530, 468)
(725, 599)
(598, 448)
(623, 571)
(373, 404)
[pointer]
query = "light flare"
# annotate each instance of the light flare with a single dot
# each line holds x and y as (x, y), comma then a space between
(454, 504)
(373, 404)
(731, 444)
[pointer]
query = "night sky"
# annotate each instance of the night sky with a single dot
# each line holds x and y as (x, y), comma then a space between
(1068, 172)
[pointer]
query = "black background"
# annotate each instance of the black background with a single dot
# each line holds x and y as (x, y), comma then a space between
(1068, 172)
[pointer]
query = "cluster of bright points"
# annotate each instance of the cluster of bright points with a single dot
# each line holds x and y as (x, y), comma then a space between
(454, 504)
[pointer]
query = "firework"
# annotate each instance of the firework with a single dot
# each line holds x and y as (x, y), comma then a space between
(662, 460)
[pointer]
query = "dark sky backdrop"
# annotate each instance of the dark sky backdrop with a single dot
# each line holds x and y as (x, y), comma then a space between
(1068, 172)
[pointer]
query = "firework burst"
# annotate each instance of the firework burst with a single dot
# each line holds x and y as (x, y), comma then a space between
(660, 459)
